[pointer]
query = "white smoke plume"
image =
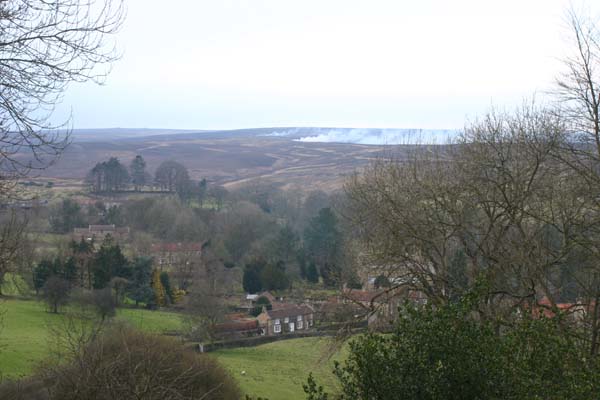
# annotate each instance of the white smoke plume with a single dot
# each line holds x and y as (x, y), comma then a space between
(368, 136)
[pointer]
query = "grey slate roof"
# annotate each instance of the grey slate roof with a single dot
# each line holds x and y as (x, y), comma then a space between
(291, 311)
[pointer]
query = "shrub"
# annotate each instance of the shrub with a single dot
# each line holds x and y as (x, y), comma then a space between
(445, 353)
(55, 293)
(101, 302)
(125, 364)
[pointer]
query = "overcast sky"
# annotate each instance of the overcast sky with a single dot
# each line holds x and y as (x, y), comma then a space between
(220, 64)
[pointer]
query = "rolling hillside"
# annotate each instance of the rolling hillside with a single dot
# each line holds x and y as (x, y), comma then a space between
(228, 158)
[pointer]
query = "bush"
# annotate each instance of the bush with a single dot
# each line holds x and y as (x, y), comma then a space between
(448, 354)
(125, 364)
(100, 301)
(55, 293)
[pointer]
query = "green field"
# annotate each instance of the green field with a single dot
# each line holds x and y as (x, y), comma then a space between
(276, 370)
(24, 332)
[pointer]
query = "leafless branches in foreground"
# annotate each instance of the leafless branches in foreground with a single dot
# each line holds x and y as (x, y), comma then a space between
(44, 46)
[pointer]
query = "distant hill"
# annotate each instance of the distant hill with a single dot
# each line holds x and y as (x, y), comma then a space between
(373, 136)
(80, 135)
(287, 156)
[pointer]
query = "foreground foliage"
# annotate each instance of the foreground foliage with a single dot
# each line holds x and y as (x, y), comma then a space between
(127, 364)
(445, 353)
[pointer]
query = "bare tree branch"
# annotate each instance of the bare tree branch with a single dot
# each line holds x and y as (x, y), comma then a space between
(44, 46)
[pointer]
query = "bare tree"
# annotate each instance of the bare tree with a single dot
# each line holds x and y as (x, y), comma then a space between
(55, 293)
(578, 90)
(12, 243)
(44, 46)
(204, 309)
(184, 264)
(580, 83)
(173, 177)
(511, 204)
(80, 324)
(496, 206)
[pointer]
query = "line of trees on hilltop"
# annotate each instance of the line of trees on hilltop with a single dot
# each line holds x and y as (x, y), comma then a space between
(171, 176)
(109, 176)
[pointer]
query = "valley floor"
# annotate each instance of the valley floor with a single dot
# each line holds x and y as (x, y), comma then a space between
(276, 370)
(25, 327)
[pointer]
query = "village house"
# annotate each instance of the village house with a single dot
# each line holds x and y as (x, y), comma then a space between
(182, 260)
(577, 312)
(98, 233)
(288, 319)
(169, 254)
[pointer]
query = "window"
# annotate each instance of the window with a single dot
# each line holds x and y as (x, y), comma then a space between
(299, 324)
(277, 321)
(299, 318)
(277, 328)
(286, 320)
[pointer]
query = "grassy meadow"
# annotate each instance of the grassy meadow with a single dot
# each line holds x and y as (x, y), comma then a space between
(25, 325)
(278, 370)
(275, 370)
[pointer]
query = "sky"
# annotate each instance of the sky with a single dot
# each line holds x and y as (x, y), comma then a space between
(227, 64)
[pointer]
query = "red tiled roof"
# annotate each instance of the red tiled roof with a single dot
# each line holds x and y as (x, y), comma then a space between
(237, 326)
(236, 316)
(544, 307)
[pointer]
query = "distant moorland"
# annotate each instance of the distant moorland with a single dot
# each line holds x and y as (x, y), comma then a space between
(226, 158)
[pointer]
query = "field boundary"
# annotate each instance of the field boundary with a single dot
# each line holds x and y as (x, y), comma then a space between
(260, 340)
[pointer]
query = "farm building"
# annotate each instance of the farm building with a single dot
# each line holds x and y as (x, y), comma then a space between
(287, 319)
